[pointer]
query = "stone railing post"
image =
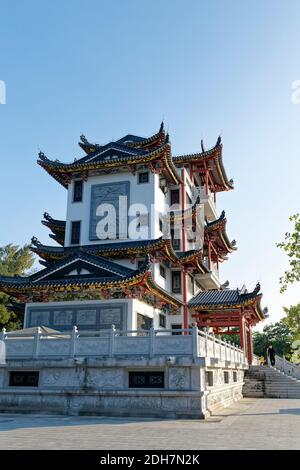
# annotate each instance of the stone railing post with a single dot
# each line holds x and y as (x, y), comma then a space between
(206, 344)
(195, 340)
(151, 342)
(3, 334)
(112, 340)
(36, 345)
(73, 341)
(214, 345)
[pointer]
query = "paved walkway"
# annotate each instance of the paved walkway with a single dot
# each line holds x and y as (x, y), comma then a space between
(250, 424)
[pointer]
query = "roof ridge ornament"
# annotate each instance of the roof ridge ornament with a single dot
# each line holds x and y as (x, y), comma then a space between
(48, 217)
(202, 146)
(222, 216)
(162, 125)
(257, 288)
(219, 140)
(35, 241)
(84, 139)
(42, 156)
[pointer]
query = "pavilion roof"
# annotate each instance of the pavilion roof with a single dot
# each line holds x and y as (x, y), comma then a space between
(130, 140)
(208, 159)
(122, 153)
(57, 227)
(124, 249)
(102, 274)
(217, 228)
(228, 299)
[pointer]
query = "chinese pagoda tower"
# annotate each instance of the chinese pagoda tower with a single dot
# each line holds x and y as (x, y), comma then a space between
(146, 269)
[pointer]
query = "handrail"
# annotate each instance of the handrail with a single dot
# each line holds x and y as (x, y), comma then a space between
(190, 341)
(287, 367)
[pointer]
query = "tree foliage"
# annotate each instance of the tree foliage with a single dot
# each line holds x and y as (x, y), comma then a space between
(292, 320)
(277, 334)
(291, 246)
(14, 261)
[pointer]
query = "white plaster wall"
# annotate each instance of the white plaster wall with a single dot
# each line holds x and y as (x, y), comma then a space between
(139, 193)
(143, 309)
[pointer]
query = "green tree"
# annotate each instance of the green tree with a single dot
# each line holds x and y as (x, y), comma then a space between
(14, 261)
(277, 334)
(233, 338)
(291, 246)
(292, 320)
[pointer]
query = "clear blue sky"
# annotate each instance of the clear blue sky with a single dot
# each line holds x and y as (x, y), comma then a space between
(106, 68)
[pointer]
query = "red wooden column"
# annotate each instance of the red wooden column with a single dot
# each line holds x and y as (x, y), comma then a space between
(209, 254)
(242, 331)
(184, 274)
(249, 345)
(206, 180)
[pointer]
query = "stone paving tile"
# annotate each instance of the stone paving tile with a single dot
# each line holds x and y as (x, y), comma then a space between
(250, 424)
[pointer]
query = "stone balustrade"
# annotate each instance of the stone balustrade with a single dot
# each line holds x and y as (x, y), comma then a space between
(287, 367)
(113, 343)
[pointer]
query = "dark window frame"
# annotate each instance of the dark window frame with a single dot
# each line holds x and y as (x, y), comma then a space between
(72, 242)
(162, 271)
(26, 374)
(174, 192)
(209, 378)
(162, 320)
(139, 177)
(77, 198)
(175, 327)
(176, 290)
(226, 377)
(146, 379)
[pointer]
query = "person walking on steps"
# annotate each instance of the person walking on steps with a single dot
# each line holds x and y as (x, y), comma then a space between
(271, 355)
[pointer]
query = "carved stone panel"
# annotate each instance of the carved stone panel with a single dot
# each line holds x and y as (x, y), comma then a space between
(63, 318)
(111, 195)
(178, 378)
(86, 317)
(40, 318)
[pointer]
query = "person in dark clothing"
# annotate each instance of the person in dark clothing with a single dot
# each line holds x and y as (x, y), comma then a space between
(271, 355)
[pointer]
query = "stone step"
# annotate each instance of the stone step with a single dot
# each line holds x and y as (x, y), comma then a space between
(270, 383)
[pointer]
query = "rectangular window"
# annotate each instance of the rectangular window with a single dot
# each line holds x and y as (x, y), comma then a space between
(209, 378)
(176, 282)
(143, 177)
(152, 379)
(77, 194)
(162, 320)
(174, 196)
(144, 322)
(175, 237)
(162, 271)
(235, 376)
(175, 327)
(226, 377)
(23, 378)
(75, 232)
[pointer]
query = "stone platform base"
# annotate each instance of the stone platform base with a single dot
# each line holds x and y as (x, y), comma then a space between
(185, 405)
(192, 388)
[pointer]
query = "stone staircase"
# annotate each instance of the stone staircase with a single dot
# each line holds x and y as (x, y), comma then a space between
(268, 382)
